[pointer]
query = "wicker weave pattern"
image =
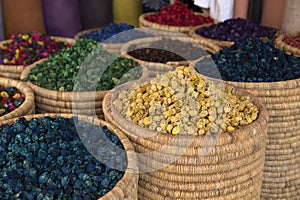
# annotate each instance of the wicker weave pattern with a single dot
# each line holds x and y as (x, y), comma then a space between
(27, 107)
(281, 179)
(14, 71)
(231, 168)
(126, 188)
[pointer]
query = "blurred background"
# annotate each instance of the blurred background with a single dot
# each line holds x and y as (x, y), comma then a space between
(67, 17)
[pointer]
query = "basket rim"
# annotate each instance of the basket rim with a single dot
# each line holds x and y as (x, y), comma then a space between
(23, 89)
(85, 31)
(131, 171)
(105, 45)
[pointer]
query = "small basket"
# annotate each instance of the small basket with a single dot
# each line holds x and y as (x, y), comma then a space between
(228, 166)
(289, 49)
(14, 71)
(27, 106)
(143, 23)
(126, 187)
(51, 101)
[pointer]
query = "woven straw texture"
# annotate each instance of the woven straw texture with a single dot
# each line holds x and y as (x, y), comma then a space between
(281, 178)
(228, 166)
(27, 106)
(143, 23)
(83, 103)
(126, 188)
(159, 68)
(14, 71)
(286, 47)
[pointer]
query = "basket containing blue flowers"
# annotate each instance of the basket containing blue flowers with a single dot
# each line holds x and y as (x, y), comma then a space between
(61, 156)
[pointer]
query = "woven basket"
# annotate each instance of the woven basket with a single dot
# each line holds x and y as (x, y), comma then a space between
(143, 23)
(228, 166)
(126, 188)
(159, 68)
(84, 103)
(282, 164)
(14, 71)
(286, 47)
(27, 106)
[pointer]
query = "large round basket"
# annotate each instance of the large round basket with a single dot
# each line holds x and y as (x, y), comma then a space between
(286, 47)
(159, 68)
(227, 166)
(50, 101)
(14, 71)
(27, 106)
(281, 178)
(143, 23)
(126, 187)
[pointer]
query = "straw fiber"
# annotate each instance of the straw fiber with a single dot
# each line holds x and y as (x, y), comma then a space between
(27, 106)
(289, 49)
(183, 29)
(88, 111)
(282, 100)
(67, 104)
(237, 191)
(126, 188)
(237, 175)
(84, 32)
(227, 166)
(14, 71)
